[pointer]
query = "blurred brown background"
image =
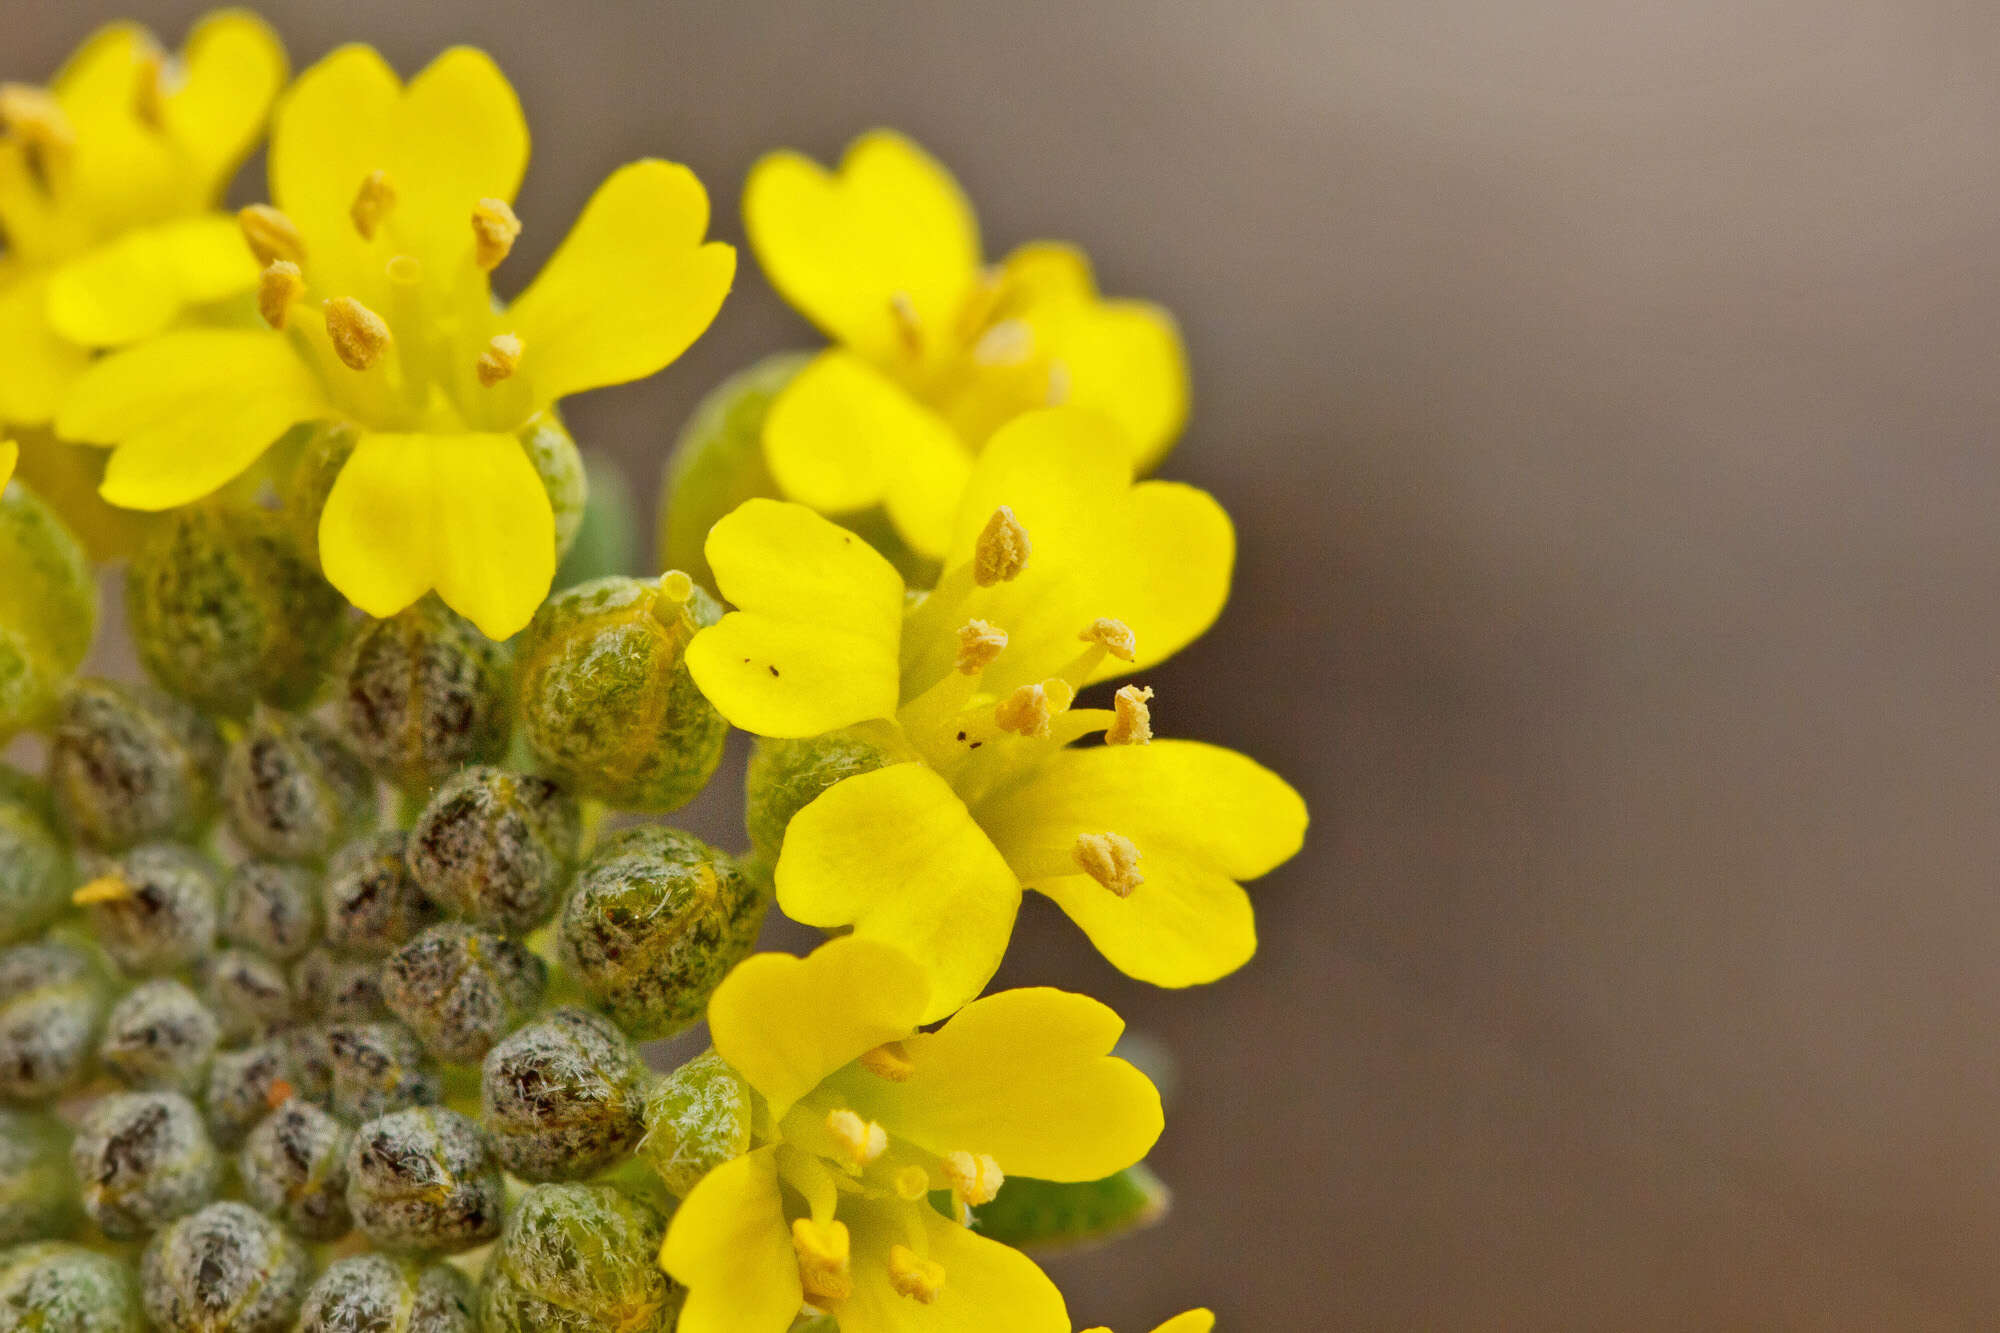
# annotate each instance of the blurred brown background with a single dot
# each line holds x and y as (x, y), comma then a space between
(1605, 394)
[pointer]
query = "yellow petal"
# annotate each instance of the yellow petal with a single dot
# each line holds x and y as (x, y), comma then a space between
(729, 1246)
(188, 411)
(1125, 360)
(460, 137)
(1027, 1077)
(10, 454)
(843, 436)
(813, 645)
(890, 228)
(232, 68)
(120, 170)
(1192, 1321)
(463, 514)
(335, 124)
(632, 286)
(895, 855)
(785, 1023)
(987, 1285)
(39, 365)
(99, 81)
(134, 286)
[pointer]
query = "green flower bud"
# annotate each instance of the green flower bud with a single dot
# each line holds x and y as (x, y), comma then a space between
(48, 608)
(607, 703)
(374, 1293)
(56, 1287)
(426, 1180)
(607, 540)
(460, 989)
(496, 847)
(156, 910)
(128, 765)
(553, 452)
(294, 1167)
(249, 994)
(323, 454)
(564, 1096)
(292, 791)
(697, 1118)
(423, 693)
(226, 1269)
(370, 902)
(338, 989)
(35, 871)
(160, 1036)
(37, 1187)
(52, 1002)
(577, 1259)
(655, 920)
(244, 1086)
(718, 461)
(142, 1159)
(272, 908)
(786, 776)
(224, 612)
(378, 1068)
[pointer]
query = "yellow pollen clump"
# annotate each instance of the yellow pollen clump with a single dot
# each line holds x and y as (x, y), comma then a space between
(974, 1177)
(911, 1183)
(372, 203)
(862, 1140)
(150, 99)
(1133, 721)
(890, 1061)
(33, 116)
(1029, 709)
(271, 235)
(1114, 636)
(913, 1275)
(358, 333)
(103, 889)
(1111, 860)
(498, 361)
(281, 284)
(978, 644)
(494, 229)
(1002, 550)
(823, 1257)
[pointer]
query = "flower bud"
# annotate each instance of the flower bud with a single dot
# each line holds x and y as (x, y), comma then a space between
(576, 1259)
(63, 1288)
(553, 452)
(160, 1035)
(250, 995)
(788, 775)
(338, 989)
(52, 1002)
(37, 1189)
(496, 847)
(422, 694)
(424, 1180)
(378, 1068)
(697, 1118)
(244, 1085)
(655, 920)
(294, 1168)
(142, 1159)
(460, 989)
(156, 910)
(564, 1096)
(129, 765)
(292, 791)
(374, 1293)
(225, 1269)
(718, 461)
(36, 877)
(272, 908)
(44, 634)
(369, 900)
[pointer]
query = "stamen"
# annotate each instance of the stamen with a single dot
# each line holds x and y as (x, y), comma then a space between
(1008, 343)
(498, 361)
(1110, 859)
(909, 325)
(914, 1276)
(1114, 636)
(822, 1250)
(862, 1140)
(281, 284)
(103, 889)
(494, 230)
(890, 1061)
(911, 1183)
(1002, 550)
(372, 203)
(978, 644)
(670, 607)
(975, 1177)
(271, 235)
(359, 334)
(1133, 723)
(1029, 709)
(150, 97)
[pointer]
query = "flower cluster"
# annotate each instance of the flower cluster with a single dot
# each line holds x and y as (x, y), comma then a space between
(327, 955)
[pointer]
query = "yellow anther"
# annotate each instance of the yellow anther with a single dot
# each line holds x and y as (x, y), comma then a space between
(1008, 343)
(911, 1183)
(33, 116)
(372, 203)
(494, 229)
(150, 98)
(1114, 636)
(1029, 709)
(822, 1251)
(862, 1140)
(975, 1177)
(498, 361)
(913, 1275)
(1132, 723)
(271, 235)
(909, 324)
(1002, 550)
(103, 889)
(281, 284)
(978, 644)
(358, 333)
(890, 1061)
(1110, 859)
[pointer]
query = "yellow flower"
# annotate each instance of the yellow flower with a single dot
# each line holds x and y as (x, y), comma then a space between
(864, 1116)
(393, 204)
(936, 350)
(1059, 572)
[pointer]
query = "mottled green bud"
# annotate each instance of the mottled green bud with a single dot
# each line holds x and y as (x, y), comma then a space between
(244, 1086)
(55, 1287)
(338, 989)
(718, 461)
(36, 875)
(607, 703)
(48, 607)
(225, 613)
(249, 994)
(52, 1003)
(374, 1293)
(272, 908)
(496, 847)
(321, 457)
(424, 693)
(369, 901)
(460, 989)
(655, 920)
(564, 1096)
(786, 776)
(294, 1167)
(156, 909)
(160, 1036)
(141, 1160)
(697, 1118)
(553, 452)
(424, 1180)
(378, 1068)
(130, 765)
(225, 1269)
(292, 791)
(579, 1259)
(37, 1186)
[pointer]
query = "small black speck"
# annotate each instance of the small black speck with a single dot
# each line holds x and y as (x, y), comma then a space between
(773, 670)
(746, 661)
(975, 745)
(961, 735)
(847, 541)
